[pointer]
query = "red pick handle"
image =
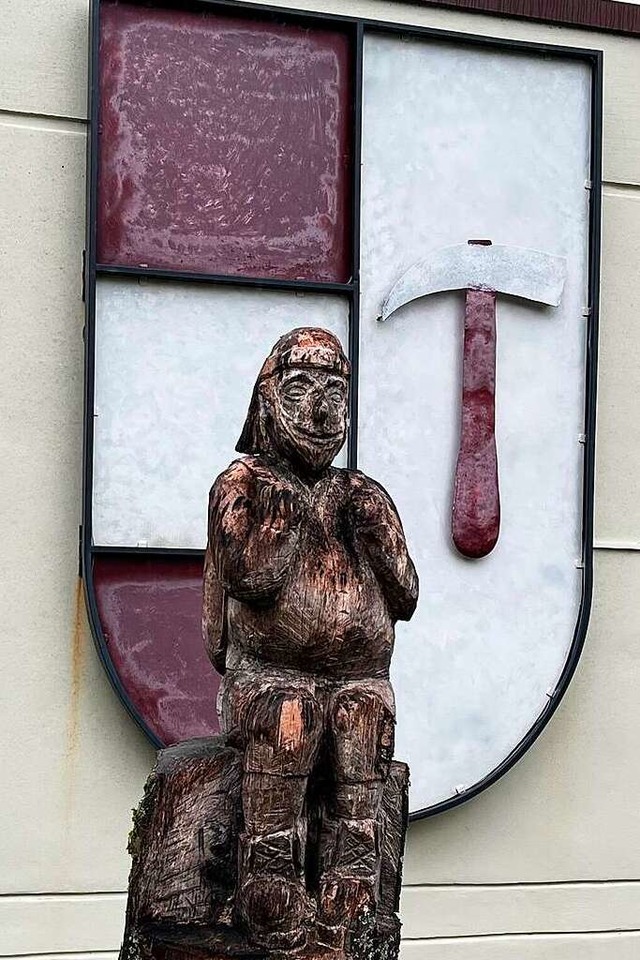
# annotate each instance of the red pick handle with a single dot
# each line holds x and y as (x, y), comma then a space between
(475, 519)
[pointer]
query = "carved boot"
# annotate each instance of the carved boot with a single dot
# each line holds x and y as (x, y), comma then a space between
(272, 900)
(350, 880)
(343, 903)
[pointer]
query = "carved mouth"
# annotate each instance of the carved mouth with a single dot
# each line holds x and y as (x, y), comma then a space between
(323, 437)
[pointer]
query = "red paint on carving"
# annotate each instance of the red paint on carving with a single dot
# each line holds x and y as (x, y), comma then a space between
(150, 610)
(224, 144)
(476, 498)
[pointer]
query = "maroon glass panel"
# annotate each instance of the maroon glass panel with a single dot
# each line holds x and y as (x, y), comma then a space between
(224, 144)
(150, 609)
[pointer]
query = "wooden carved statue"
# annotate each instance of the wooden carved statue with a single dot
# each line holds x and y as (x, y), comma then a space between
(300, 833)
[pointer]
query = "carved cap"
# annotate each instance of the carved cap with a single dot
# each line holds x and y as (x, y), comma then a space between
(304, 347)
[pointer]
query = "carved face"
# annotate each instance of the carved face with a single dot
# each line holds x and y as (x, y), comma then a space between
(309, 415)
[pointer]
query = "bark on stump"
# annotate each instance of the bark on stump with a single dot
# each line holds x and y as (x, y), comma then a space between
(184, 849)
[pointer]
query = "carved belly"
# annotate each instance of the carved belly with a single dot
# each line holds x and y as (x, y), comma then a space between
(330, 619)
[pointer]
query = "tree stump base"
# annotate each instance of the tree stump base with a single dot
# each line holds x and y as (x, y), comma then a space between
(184, 849)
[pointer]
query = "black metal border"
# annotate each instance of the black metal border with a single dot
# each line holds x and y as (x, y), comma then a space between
(356, 185)
(225, 279)
(89, 294)
(356, 27)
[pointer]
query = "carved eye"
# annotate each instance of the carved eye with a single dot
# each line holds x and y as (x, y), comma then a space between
(294, 392)
(336, 395)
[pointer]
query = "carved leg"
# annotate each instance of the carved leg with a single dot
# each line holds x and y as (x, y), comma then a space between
(361, 726)
(281, 725)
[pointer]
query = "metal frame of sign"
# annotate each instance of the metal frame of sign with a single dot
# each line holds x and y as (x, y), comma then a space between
(355, 28)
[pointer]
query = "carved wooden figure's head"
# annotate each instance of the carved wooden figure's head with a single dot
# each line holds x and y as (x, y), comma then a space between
(298, 410)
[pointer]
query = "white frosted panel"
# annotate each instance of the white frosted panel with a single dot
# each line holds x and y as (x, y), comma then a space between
(461, 144)
(175, 367)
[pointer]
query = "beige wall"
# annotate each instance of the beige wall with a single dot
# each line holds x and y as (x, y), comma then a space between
(544, 865)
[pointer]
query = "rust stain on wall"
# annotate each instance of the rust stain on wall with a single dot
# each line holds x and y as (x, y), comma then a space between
(73, 719)
(77, 665)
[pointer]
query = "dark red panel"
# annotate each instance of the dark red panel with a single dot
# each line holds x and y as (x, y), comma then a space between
(151, 610)
(224, 144)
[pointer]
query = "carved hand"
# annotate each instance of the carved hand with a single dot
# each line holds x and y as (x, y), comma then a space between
(369, 507)
(253, 528)
(277, 506)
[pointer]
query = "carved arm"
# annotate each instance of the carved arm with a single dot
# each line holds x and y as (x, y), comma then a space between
(379, 530)
(253, 527)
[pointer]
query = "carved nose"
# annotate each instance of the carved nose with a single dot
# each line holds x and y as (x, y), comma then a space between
(321, 410)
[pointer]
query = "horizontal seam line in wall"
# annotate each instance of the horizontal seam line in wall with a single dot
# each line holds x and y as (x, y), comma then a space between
(60, 953)
(555, 934)
(49, 895)
(629, 546)
(620, 187)
(517, 884)
(508, 885)
(22, 118)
